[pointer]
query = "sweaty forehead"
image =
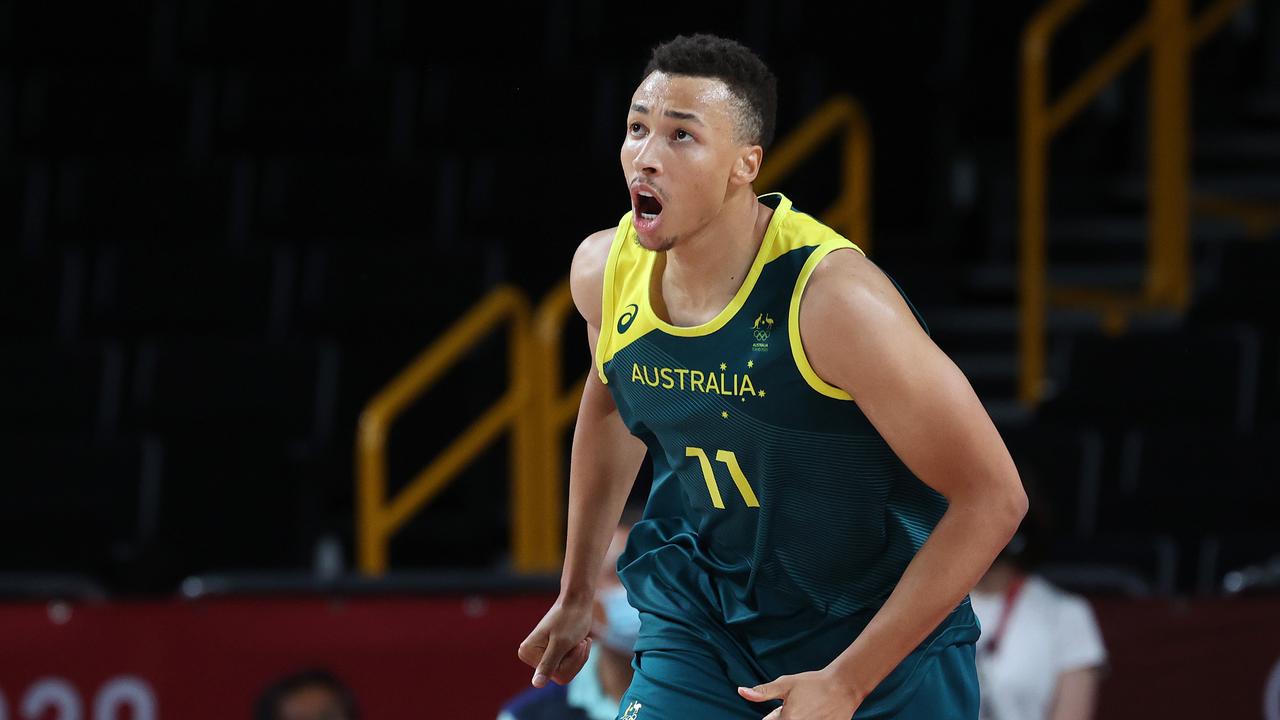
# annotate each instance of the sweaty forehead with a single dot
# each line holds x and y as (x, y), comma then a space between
(709, 98)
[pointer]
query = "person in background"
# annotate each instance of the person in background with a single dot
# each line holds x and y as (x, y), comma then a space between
(1041, 655)
(308, 695)
(596, 691)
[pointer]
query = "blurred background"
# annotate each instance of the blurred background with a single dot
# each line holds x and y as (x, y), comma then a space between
(288, 366)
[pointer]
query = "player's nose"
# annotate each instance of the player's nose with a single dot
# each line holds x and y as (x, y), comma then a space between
(646, 161)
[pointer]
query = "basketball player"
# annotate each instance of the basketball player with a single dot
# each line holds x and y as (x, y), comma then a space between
(827, 487)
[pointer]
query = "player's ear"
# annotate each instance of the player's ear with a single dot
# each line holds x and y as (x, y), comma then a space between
(747, 165)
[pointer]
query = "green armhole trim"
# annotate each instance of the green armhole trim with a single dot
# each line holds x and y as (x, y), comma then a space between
(606, 302)
(793, 323)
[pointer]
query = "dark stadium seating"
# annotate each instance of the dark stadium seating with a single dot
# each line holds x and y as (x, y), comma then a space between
(222, 387)
(1062, 471)
(1187, 378)
(1253, 557)
(1128, 563)
(228, 501)
(1196, 480)
(49, 386)
(42, 296)
(305, 111)
(166, 292)
(121, 198)
(100, 110)
(225, 226)
(308, 196)
(76, 502)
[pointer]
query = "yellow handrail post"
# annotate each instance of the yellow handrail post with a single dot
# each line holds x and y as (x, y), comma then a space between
(379, 517)
(851, 211)
(1033, 150)
(529, 509)
(556, 408)
(1168, 270)
(1171, 33)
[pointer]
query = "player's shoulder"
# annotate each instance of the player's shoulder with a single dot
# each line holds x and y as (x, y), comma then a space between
(586, 273)
(847, 288)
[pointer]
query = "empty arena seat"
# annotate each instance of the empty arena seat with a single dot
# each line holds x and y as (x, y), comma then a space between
(13, 200)
(300, 111)
(225, 387)
(1245, 267)
(228, 500)
(1197, 479)
(243, 32)
(307, 196)
(74, 501)
(1129, 563)
(404, 294)
(123, 199)
(1188, 378)
(42, 296)
(116, 34)
(51, 386)
(98, 109)
(1242, 553)
(1061, 472)
(179, 292)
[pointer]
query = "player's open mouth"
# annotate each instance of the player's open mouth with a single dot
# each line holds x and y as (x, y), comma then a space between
(648, 210)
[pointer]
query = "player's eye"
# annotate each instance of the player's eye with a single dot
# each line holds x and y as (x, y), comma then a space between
(634, 126)
(678, 133)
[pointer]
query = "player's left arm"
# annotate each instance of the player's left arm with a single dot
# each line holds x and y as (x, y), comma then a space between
(860, 336)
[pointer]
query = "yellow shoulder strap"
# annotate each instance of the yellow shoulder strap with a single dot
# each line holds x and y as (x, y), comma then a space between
(793, 317)
(609, 300)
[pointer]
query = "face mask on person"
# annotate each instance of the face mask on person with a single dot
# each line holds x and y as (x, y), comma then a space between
(622, 622)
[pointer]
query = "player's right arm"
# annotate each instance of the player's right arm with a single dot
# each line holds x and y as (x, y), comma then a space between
(602, 469)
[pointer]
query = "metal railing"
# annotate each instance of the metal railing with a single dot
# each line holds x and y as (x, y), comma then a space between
(850, 214)
(378, 517)
(1171, 34)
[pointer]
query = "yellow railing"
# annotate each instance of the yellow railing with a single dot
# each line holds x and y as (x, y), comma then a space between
(557, 409)
(537, 406)
(1169, 31)
(850, 214)
(379, 517)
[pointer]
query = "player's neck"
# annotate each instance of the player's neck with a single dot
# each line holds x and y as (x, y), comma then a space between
(704, 271)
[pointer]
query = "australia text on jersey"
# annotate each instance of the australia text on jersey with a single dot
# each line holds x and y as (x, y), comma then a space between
(720, 383)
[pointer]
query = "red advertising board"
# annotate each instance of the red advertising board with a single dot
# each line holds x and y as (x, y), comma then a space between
(455, 657)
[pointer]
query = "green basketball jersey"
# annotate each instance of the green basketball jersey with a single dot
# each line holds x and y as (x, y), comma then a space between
(776, 509)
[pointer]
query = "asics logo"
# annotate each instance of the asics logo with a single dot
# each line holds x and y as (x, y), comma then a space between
(627, 317)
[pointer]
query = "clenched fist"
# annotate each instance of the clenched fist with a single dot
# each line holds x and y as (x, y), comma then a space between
(558, 646)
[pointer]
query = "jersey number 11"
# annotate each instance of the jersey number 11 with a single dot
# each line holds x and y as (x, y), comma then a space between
(735, 471)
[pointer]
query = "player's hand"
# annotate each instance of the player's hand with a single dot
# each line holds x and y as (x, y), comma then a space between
(814, 695)
(557, 648)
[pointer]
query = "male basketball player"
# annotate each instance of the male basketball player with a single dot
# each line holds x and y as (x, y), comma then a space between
(827, 487)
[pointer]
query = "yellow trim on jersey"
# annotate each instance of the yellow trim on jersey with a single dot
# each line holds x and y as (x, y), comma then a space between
(793, 321)
(764, 254)
(629, 269)
(607, 300)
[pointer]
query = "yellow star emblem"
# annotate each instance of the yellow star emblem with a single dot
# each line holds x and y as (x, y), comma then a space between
(723, 366)
(751, 363)
(761, 393)
(724, 414)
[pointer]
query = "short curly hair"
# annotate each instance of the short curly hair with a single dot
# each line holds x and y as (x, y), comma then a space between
(753, 86)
